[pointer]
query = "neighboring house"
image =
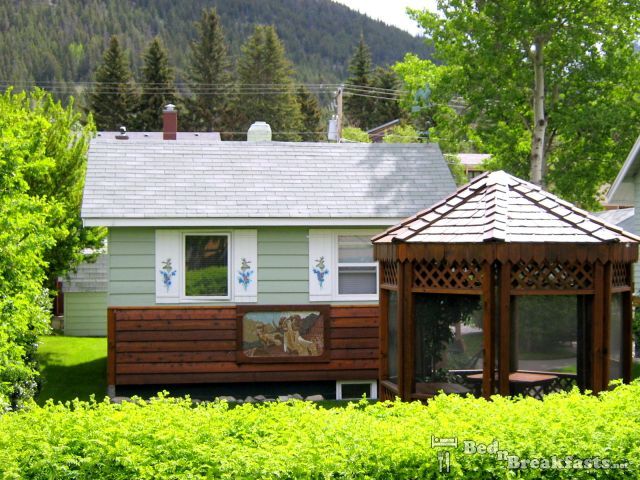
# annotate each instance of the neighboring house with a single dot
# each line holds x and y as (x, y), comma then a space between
(472, 163)
(85, 299)
(625, 192)
(621, 217)
(376, 134)
(249, 261)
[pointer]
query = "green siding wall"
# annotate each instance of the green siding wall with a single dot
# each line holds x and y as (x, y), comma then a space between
(131, 267)
(85, 314)
(283, 257)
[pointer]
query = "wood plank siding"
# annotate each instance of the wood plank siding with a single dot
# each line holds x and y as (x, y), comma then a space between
(167, 345)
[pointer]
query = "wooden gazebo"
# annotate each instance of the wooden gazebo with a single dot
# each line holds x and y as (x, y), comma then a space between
(503, 288)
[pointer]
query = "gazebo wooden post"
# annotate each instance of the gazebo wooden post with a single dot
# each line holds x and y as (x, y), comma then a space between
(488, 308)
(407, 367)
(597, 328)
(504, 349)
(606, 325)
(401, 326)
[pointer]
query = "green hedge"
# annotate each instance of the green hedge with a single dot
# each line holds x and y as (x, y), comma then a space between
(168, 438)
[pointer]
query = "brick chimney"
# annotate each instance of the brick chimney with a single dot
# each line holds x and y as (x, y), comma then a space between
(169, 122)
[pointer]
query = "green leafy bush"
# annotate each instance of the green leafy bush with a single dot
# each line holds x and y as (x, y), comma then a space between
(169, 438)
(354, 134)
(42, 163)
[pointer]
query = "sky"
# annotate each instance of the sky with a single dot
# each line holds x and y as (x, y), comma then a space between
(391, 12)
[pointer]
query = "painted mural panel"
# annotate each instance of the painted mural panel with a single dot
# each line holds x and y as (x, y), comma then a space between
(283, 334)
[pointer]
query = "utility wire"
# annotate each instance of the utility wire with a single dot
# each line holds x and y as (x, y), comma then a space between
(227, 89)
(197, 87)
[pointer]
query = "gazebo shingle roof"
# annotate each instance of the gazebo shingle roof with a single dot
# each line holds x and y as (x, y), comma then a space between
(498, 207)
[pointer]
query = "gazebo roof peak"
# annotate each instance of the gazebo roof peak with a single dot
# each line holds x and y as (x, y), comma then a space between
(498, 207)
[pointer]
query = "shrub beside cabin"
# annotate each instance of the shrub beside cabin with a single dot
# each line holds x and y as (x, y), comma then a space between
(248, 261)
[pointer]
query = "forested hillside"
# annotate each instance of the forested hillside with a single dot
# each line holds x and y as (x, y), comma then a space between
(63, 40)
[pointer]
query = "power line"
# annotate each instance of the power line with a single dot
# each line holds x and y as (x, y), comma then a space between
(197, 87)
(370, 96)
(226, 89)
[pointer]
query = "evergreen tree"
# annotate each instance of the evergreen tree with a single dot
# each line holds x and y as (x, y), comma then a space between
(114, 99)
(263, 61)
(157, 87)
(210, 68)
(384, 110)
(357, 108)
(311, 116)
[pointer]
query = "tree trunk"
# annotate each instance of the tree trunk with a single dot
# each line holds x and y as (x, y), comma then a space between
(538, 157)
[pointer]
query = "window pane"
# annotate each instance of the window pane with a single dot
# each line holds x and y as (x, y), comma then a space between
(355, 390)
(354, 249)
(357, 280)
(206, 269)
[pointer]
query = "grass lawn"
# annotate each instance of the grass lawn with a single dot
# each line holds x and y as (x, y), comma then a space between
(76, 367)
(72, 367)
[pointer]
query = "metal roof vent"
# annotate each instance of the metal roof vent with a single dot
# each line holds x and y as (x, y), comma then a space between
(123, 134)
(259, 132)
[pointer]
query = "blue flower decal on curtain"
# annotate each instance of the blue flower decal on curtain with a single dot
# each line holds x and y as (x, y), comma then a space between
(320, 270)
(245, 273)
(167, 273)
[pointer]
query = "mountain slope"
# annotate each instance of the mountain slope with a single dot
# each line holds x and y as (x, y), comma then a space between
(63, 40)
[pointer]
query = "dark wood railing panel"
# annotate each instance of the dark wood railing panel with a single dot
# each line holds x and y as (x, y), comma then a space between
(165, 345)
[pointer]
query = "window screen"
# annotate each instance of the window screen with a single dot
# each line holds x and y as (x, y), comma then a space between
(206, 265)
(354, 249)
(392, 336)
(357, 270)
(616, 337)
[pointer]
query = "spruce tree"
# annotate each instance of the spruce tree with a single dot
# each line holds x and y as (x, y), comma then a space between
(384, 110)
(209, 108)
(311, 116)
(264, 62)
(157, 87)
(357, 108)
(113, 100)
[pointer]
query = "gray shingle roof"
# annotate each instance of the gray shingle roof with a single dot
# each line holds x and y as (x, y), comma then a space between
(500, 207)
(177, 179)
(621, 217)
(89, 277)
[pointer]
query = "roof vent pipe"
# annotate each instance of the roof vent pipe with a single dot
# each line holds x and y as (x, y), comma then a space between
(169, 122)
(259, 132)
(123, 134)
(332, 132)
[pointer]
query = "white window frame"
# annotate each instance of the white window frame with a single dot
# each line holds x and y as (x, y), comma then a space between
(373, 388)
(336, 268)
(183, 281)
